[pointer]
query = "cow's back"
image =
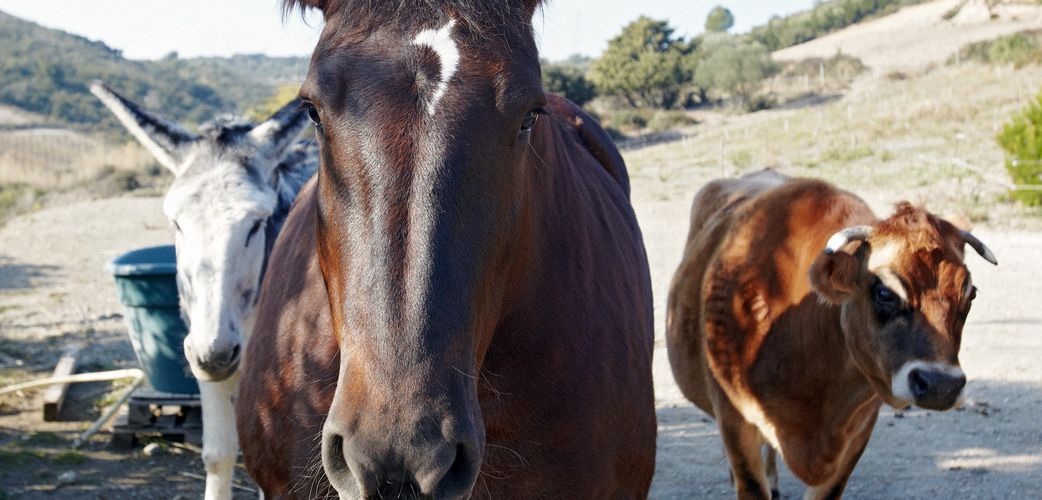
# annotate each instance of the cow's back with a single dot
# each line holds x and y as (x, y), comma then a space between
(713, 212)
(290, 363)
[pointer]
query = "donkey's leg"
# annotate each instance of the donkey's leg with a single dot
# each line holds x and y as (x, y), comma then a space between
(220, 439)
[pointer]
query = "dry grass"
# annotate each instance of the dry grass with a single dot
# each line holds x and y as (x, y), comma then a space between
(52, 159)
(928, 138)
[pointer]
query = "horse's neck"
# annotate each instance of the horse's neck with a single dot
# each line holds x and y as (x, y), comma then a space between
(289, 178)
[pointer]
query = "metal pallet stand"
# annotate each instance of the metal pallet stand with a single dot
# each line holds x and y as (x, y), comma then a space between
(174, 417)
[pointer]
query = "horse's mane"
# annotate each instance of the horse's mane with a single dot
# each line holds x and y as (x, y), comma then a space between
(480, 15)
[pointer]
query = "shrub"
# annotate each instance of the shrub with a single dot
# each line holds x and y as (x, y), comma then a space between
(732, 65)
(569, 82)
(840, 69)
(1018, 49)
(628, 119)
(1021, 138)
(669, 119)
(719, 20)
(825, 17)
(645, 65)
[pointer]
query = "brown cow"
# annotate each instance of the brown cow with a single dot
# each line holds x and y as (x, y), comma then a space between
(802, 365)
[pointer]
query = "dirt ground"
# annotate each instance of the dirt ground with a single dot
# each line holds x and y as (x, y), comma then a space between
(53, 289)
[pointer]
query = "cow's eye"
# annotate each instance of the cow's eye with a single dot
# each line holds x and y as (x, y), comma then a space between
(884, 296)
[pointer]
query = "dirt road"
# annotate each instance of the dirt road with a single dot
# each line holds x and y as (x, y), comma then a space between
(52, 288)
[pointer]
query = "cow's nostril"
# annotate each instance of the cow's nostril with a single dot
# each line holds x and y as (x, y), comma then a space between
(919, 383)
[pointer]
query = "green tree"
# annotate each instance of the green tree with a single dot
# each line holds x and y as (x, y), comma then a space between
(568, 81)
(719, 20)
(1021, 138)
(733, 65)
(645, 65)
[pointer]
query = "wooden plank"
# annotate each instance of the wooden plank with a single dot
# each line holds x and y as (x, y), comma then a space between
(54, 396)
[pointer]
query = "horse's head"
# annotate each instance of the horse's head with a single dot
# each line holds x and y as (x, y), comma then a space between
(426, 112)
(219, 203)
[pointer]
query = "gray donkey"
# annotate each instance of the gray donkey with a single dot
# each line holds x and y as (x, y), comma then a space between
(235, 184)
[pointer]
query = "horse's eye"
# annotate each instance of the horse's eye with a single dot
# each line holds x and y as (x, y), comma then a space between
(253, 230)
(313, 114)
(530, 119)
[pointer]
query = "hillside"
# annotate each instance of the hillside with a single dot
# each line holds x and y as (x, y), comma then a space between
(46, 72)
(920, 35)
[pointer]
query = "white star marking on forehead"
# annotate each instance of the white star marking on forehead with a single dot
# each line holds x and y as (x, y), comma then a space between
(441, 42)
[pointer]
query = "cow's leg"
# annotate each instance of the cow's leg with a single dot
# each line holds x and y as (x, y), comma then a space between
(771, 459)
(743, 443)
(220, 440)
(833, 488)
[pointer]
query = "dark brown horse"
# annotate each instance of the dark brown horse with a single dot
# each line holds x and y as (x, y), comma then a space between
(460, 305)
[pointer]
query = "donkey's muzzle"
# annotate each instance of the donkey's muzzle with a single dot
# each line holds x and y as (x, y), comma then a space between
(214, 365)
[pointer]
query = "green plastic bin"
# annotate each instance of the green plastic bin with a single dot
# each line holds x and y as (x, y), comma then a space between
(146, 283)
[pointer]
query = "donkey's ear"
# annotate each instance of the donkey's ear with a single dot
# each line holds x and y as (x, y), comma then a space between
(166, 140)
(277, 133)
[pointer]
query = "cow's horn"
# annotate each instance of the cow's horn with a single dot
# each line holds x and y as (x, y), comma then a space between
(981, 248)
(854, 233)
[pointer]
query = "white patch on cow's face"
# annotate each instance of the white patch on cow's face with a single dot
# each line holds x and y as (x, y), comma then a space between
(441, 42)
(880, 263)
(217, 271)
(901, 388)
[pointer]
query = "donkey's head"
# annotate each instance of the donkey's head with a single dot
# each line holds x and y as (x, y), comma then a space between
(220, 204)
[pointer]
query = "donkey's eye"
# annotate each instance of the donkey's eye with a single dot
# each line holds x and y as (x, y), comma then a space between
(530, 119)
(253, 230)
(313, 114)
(176, 226)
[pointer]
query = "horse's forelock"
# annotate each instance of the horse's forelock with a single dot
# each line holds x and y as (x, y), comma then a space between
(480, 15)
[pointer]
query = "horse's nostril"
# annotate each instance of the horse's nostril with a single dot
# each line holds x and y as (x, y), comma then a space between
(335, 454)
(460, 475)
(461, 465)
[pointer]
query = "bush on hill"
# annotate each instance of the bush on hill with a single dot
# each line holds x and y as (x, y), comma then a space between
(824, 18)
(1018, 49)
(1021, 138)
(47, 72)
(733, 65)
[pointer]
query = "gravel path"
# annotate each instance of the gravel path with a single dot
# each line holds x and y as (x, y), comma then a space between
(52, 288)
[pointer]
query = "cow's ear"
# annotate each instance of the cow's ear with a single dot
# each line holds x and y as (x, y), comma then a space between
(834, 276)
